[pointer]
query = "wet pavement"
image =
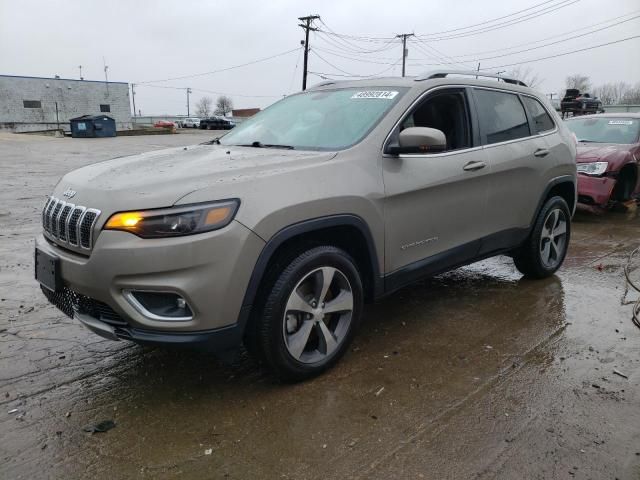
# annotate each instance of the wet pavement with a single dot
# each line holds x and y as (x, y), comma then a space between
(473, 374)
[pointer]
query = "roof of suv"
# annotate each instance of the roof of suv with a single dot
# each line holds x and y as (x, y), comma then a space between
(456, 78)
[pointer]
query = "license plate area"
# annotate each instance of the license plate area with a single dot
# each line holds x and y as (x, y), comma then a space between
(47, 270)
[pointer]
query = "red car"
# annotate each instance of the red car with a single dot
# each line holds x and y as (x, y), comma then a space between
(165, 124)
(608, 157)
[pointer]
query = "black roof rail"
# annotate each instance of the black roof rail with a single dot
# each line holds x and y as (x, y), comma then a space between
(443, 73)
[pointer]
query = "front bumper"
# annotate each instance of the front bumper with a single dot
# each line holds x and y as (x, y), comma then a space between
(595, 190)
(210, 271)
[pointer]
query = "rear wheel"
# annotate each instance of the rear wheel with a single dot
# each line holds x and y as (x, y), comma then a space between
(311, 313)
(546, 247)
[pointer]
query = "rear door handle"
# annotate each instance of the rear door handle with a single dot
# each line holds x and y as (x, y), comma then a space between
(472, 166)
(541, 152)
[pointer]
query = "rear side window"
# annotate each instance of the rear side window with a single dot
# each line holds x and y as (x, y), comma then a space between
(501, 115)
(542, 122)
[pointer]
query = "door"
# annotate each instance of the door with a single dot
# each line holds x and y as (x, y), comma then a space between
(435, 204)
(520, 160)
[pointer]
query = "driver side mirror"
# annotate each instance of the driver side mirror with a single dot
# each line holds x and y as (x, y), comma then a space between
(419, 140)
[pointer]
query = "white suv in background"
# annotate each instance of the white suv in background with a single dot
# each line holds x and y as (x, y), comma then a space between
(191, 122)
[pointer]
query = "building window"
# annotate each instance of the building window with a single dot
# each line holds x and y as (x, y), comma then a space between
(32, 103)
(105, 107)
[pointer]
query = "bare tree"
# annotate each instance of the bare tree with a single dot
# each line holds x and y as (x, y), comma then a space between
(527, 75)
(203, 107)
(632, 95)
(579, 81)
(224, 105)
(612, 93)
(606, 94)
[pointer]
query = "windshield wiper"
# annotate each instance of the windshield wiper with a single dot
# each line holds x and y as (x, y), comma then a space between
(268, 145)
(582, 140)
(215, 141)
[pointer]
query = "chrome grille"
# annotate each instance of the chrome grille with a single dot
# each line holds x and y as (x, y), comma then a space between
(68, 223)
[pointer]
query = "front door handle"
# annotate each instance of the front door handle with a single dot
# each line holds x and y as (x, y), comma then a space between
(541, 152)
(473, 166)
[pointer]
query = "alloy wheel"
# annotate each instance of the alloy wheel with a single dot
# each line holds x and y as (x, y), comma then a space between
(553, 238)
(318, 315)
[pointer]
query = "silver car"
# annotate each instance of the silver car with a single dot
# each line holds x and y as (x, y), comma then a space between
(277, 233)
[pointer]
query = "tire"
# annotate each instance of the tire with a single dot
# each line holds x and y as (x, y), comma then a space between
(623, 189)
(546, 247)
(297, 338)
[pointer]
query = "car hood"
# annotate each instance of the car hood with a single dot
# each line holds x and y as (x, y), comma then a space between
(593, 152)
(161, 178)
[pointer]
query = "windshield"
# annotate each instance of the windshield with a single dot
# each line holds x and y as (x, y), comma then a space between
(606, 130)
(325, 120)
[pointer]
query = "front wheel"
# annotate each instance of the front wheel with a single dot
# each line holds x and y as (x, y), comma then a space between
(546, 247)
(311, 313)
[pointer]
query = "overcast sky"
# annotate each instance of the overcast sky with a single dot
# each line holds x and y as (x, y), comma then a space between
(145, 41)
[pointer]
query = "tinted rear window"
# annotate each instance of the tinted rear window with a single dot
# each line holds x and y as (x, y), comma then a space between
(502, 116)
(542, 122)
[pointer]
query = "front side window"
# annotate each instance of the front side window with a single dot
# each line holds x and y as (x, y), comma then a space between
(605, 129)
(317, 120)
(542, 122)
(501, 115)
(445, 111)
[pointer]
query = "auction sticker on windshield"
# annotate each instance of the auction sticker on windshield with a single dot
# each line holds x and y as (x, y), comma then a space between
(620, 122)
(383, 94)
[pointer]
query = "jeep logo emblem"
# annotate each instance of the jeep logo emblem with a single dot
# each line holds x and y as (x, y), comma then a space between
(69, 193)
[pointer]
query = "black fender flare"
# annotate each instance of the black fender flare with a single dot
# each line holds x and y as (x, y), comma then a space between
(291, 231)
(552, 183)
(307, 226)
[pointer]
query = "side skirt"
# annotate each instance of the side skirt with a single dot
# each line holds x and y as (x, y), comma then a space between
(490, 246)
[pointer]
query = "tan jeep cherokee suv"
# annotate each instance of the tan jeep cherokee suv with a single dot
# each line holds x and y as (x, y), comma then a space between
(276, 234)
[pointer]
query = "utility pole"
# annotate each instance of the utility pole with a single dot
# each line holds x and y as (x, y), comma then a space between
(478, 69)
(80, 67)
(188, 92)
(306, 26)
(404, 48)
(133, 98)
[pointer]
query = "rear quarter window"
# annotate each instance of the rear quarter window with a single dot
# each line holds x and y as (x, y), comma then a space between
(502, 117)
(542, 122)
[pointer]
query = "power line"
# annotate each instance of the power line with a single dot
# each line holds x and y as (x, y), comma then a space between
(293, 77)
(475, 54)
(351, 46)
(542, 11)
(509, 23)
(220, 70)
(208, 91)
(349, 74)
(327, 76)
(563, 54)
(354, 58)
(493, 19)
(546, 44)
(438, 54)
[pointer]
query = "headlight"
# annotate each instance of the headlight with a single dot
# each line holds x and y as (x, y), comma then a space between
(176, 221)
(593, 168)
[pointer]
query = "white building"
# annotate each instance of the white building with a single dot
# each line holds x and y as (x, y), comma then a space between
(34, 103)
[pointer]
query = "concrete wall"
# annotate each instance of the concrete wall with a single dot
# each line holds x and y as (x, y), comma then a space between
(74, 98)
(621, 108)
